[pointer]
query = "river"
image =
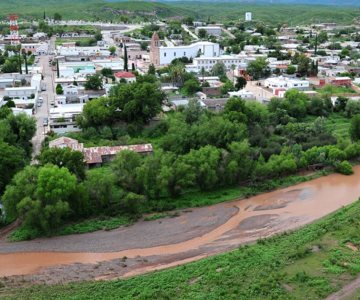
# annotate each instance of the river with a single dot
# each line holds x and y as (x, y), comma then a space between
(243, 221)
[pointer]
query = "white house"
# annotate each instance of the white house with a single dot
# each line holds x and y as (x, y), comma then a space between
(210, 30)
(63, 118)
(244, 94)
(208, 63)
(23, 93)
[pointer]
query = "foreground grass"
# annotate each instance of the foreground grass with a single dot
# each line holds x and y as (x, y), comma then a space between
(163, 207)
(309, 263)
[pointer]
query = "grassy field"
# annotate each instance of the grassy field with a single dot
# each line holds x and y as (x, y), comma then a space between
(335, 90)
(339, 126)
(309, 263)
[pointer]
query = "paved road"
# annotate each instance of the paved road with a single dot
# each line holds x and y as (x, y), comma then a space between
(190, 32)
(43, 111)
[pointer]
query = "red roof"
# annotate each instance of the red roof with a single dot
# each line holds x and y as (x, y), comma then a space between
(124, 75)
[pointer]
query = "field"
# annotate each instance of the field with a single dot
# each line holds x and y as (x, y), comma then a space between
(118, 10)
(315, 261)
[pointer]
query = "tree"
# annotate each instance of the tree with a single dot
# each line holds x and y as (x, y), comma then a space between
(96, 113)
(100, 186)
(64, 157)
(137, 102)
(112, 50)
(57, 17)
(191, 86)
(240, 83)
(152, 70)
(59, 89)
(177, 73)
(107, 72)
(50, 203)
(228, 86)
(355, 128)
(125, 167)
(202, 33)
(94, 82)
(126, 67)
(258, 68)
(291, 70)
(11, 161)
(193, 111)
(219, 69)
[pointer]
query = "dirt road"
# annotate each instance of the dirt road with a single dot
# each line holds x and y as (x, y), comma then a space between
(195, 234)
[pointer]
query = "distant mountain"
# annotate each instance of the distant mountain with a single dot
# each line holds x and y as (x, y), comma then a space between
(309, 2)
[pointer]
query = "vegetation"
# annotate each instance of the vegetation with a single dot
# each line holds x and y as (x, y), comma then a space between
(316, 260)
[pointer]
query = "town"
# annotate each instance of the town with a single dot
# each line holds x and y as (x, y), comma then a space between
(226, 150)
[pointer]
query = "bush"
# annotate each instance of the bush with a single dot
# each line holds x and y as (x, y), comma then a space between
(344, 168)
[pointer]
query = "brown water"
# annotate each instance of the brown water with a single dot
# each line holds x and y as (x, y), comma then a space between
(291, 207)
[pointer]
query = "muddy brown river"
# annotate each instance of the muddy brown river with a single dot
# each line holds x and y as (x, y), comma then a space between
(193, 235)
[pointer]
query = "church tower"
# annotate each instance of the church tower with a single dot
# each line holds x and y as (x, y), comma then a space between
(154, 49)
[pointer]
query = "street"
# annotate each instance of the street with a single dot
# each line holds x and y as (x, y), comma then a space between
(48, 95)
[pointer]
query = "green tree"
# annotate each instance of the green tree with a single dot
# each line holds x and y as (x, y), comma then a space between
(94, 82)
(57, 17)
(219, 69)
(59, 89)
(96, 113)
(125, 167)
(65, 157)
(202, 33)
(126, 59)
(191, 86)
(137, 102)
(355, 128)
(258, 68)
(240, 83)
(112, 50)
(291, 70)
(11, 161)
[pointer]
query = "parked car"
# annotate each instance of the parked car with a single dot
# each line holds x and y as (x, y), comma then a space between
(46, 122)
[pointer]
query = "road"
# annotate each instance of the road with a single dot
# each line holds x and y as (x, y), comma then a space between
(48, 95)
(229, 33)
(194, 36)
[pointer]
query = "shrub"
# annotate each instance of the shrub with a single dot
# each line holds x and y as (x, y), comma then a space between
(344, 168)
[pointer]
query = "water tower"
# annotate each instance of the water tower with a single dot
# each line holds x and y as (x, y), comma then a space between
(248, 16)
(14, 30)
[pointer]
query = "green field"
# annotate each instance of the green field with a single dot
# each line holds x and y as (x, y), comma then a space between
(309, 263)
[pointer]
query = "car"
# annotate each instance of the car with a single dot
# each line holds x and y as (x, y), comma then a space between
(41, 99)
(45, 121)
(39, 104)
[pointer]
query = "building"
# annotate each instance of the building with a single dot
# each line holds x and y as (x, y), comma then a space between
(24, 93)
(127, 76)
(243, 94)
(36, 48)
(210, 30)
(208, 63)
(276, 83)
(160, 55)
(341, 81)
(248, 16)
(63, 118)
(96, 156)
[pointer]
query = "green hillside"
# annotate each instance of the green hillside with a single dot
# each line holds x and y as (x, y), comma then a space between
(219, 12)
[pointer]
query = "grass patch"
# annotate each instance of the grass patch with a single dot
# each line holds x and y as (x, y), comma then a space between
(100, 223)
(312, 261)
(335, 90)
(338, 125)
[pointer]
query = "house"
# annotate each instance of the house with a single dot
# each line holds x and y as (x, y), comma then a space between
(72, 94)
(6, 82)
(278, 83)
(24, 93)
(244, 94)
(127, 76)
(207, 63)
(96, 156)
(210, 30)
(341, 81)
(62, 119)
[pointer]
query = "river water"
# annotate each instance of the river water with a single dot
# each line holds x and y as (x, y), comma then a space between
(256, 217)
